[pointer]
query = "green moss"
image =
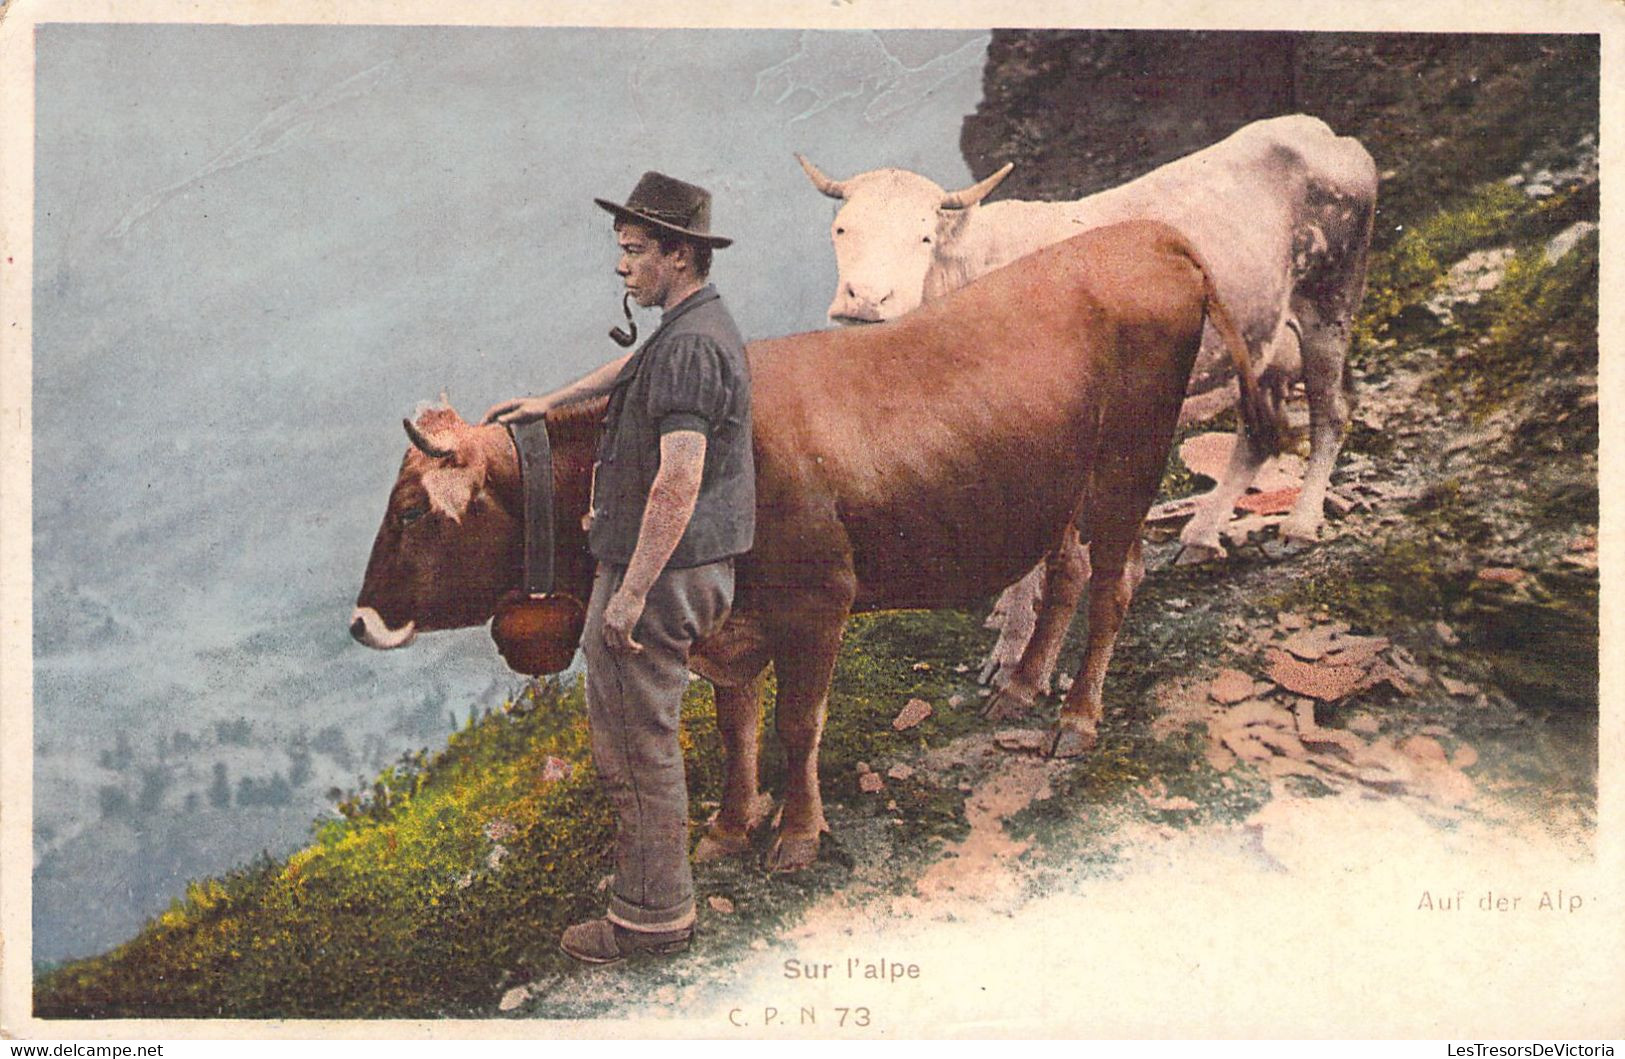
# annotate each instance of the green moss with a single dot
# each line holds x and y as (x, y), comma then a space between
(1410, 579)
(1406, 274)
(1543, 316)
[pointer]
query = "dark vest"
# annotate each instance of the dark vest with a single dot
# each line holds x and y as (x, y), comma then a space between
(690, 375)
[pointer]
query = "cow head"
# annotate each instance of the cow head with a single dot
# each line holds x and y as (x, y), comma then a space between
(890, 228)
(452, 540)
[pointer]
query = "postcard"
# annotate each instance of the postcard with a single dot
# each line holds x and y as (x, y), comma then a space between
(1143, 572)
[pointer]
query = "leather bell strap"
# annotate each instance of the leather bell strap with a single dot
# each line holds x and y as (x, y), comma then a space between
(536, 476)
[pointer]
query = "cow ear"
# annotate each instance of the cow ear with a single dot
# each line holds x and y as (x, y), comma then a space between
(439, 446)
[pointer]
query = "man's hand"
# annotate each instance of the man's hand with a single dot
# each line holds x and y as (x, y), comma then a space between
(621, 616)
(517, 411)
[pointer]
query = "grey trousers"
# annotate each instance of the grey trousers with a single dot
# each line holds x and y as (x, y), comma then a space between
(633, 706)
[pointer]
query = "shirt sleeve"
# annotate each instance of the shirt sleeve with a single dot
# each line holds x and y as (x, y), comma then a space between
(688, 389)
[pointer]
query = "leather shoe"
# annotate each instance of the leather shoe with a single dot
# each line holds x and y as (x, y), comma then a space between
(600, 941)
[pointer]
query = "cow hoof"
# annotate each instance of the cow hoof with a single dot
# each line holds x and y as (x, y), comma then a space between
(717, 845)
(1007, 704)
(1071, 738)
(790, 853)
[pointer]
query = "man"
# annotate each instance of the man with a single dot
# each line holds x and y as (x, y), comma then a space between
(673, 503)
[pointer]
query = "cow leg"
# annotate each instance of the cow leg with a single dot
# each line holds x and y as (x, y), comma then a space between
(1200, 537)
(803, 661)
(1325, 359)
(1117, 573)
(1066, 571)
(738, 720)
(1015, 616)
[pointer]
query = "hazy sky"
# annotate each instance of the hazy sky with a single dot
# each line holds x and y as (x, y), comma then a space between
(255, 250)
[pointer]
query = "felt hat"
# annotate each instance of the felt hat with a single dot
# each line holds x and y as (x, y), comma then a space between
(668, 203)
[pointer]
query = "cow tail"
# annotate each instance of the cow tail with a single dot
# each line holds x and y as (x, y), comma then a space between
(1258, 414)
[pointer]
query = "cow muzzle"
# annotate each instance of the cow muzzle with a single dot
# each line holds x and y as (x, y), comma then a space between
(369, 628)
(850, 307)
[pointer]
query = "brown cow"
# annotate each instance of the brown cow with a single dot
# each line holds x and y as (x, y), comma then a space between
(925, 462)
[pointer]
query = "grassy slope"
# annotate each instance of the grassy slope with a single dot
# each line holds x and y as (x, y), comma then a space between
(453, 876)
(450, 880)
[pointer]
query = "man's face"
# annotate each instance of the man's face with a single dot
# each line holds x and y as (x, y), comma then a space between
(649, 274)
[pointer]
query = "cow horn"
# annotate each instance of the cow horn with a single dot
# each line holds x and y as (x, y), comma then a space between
(958, 200)
(835, 189)
(421, 440)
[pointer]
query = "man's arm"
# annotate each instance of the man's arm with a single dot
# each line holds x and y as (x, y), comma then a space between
(671, 504)
(525, 409)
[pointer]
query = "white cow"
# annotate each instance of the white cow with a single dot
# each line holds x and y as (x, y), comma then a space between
(1282, 210)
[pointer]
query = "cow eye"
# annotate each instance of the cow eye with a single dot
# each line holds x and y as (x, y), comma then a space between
(412, 514)
(927, 239)
(840, 231)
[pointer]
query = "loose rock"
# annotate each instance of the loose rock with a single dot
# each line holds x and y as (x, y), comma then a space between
(1324, 682)
(1503, 575)
(1255, 712)
(1357, 650)
(1423, 749)
(1230, 686)
(1347, 744)
(911, 714)
(1311, 644)
(1274, 502)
